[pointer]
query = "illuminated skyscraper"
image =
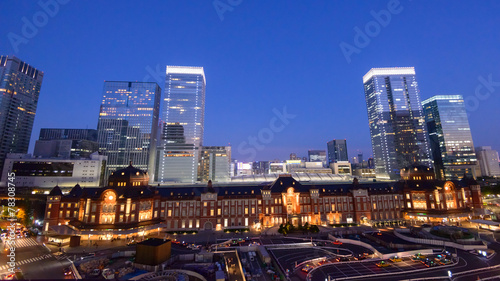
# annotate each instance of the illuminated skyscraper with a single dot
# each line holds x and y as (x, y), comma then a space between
(396, 120)
(182, 136)
(450, 137)
(488, 161)
(337, 151)
(20, 86)
(128, 124)
(216, 163)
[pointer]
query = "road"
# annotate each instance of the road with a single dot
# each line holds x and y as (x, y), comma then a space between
(35, 260)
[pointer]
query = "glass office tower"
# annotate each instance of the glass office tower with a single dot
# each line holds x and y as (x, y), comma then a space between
(20, 86)
(128, 124)
(337, 151)
(182, 134)
(396, 120)
(450, 137)
(216, 164)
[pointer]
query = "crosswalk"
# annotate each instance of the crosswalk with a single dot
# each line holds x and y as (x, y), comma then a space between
(60, 256)
(30, 260)
(25, 242)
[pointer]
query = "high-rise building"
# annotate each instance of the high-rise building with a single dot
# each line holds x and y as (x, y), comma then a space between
(20, 85)
(260, 167)
(488, 161)
(66, 143)
(371, 164)
(337, 151)
(182, 134)
(68, 134)
(450, 137)
(128, 124)
(39, 175)
(317, 156)
(216, 163)
(396, 120)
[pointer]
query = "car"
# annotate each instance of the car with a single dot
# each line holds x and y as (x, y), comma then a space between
(95, 273)
(383, 264)
(422, 257)
(430, 263)
(396, 259)
(379, 233)
(87, 256)
(307, 268)
(342, 259)
(337, 242)
(361, 257)
(7, 276)
(67, 271)
(193, 247)
(444, 262)
(415, 259)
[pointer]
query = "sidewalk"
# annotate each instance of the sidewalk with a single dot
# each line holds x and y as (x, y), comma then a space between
(85, 246)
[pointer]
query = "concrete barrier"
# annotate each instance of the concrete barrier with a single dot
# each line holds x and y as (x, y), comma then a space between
(356, 242)
(397, 233)
(75, 271)
(166, 272)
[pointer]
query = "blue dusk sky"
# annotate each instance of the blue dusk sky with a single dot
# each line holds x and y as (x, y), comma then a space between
(261, 57)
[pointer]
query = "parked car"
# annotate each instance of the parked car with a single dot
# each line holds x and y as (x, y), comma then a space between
(341, 259)
(361, 257)
(337, 242)
(444, 261)
(430, 263)
(383, 264)
(307, 268)
(396, 259)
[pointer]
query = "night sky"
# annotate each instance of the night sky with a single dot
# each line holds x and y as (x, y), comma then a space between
(262, 55)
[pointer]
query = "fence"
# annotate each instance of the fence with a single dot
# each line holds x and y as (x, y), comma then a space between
(123, 254)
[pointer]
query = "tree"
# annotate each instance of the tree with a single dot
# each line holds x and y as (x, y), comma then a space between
(314, 229)
(5, 212)
(21, 215)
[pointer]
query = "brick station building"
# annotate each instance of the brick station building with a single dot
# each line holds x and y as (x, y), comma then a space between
(129, 207)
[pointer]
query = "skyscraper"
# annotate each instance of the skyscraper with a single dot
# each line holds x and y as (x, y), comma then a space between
(20, 86)
(317, 156)
(182, 134)
(66, 143)
(337, 151)
(488, 161)
(396, 120)
(216, 163)
(128, 124)
(450, 137)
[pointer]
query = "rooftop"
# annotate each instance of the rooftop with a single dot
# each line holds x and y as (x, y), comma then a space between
(154, 242)
(388, 71)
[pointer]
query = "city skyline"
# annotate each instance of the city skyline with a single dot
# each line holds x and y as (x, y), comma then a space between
(238, 140)
(340, 96)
